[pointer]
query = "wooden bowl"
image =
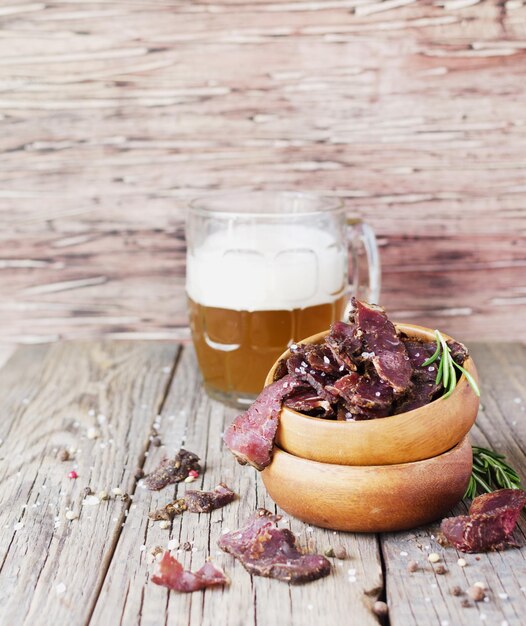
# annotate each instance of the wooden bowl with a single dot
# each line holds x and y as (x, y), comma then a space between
(411, 436)
(369, 498)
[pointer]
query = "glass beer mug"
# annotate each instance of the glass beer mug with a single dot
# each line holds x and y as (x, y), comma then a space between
(265, 269)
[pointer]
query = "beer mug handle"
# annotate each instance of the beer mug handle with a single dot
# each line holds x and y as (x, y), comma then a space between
(361, 238)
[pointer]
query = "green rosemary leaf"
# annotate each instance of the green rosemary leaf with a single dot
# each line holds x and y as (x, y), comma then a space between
(434, 356)
(471, 490)
(485, 486)
(438, 378)
(490, 472)
(446, 373)
(445, 357)
(469, 378)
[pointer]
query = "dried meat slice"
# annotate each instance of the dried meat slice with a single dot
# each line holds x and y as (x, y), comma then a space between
(251, 435)
(459, 352)
(170, 574)
(207, 501)
(321, 358)
(383, 345)
(169, 511)
(345, 345)
(364, 397)
(307, 401)
(173, 470)
(266, 550)
(490, 523)
(424, 389)
(300, 370)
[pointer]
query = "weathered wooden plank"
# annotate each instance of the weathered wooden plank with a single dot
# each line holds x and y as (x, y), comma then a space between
(6, 351)
(424, 597)
(412, 111)
(52, 396)
(189, 417)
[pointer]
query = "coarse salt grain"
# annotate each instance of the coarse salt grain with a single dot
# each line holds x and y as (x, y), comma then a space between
(18, 526)
(326, 360)
(404, 553)
(164, 524)
(116, 491)
(142, 548)
(93, 433)
(60, 588)
(479, 584)
(351, 572)
(71, 515)
(172, 545)
(433, 557)
(352, 579)
(503, 596)
(91, 500)
(462, 563)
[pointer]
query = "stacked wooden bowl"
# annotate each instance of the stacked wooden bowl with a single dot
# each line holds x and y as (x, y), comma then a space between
(380, 475)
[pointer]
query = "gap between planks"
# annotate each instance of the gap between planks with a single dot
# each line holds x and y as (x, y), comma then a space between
(140, 466)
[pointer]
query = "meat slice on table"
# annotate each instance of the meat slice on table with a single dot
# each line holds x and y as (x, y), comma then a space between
(266, 550)
(173, 470)
(171, 574)
(207, 501)
(251, 435)
(382, 343)
(490, 523)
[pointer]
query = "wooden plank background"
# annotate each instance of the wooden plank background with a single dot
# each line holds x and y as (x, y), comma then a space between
(114, 113)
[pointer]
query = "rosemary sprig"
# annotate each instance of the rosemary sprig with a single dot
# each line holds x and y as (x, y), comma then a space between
(490, 472)
(446, 373)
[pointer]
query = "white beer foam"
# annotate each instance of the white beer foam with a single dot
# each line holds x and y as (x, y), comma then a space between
(266, 267)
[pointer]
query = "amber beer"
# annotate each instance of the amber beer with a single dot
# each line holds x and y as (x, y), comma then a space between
(252, 292)
(236, 349)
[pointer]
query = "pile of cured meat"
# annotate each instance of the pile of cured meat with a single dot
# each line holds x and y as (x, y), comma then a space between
(363, 370)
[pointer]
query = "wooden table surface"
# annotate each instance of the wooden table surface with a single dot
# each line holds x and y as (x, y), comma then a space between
(96, 570)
